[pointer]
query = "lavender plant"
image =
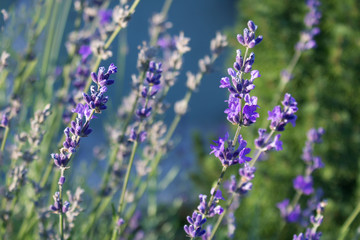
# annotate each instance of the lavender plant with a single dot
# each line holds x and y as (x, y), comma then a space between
(125, 200)
(95, 103)
(303, 184)
(225, 150)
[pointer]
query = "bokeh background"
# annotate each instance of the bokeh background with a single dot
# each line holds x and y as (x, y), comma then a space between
(326, 85)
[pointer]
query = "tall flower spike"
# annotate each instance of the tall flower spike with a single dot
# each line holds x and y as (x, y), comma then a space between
(241, 111)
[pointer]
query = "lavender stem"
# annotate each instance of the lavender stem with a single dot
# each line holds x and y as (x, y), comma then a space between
(6, 133)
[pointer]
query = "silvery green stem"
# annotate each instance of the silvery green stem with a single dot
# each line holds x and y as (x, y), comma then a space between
(61, 221)
(346, 226)
(6, 134)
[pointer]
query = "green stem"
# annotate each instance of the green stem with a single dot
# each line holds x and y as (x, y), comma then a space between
(128, 170)
(345, 228)
(121, 202)
(6, 133)
(236, 134)
(61, 221)
(217, 224)
(222, 174)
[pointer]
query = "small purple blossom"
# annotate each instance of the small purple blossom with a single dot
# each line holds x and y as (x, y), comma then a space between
(248, 38)
(315, 220)
(212, 209)
(58, 207)
(311, 20)
(226, 152)
(287, 213)
(4, 121)
(271, 144)
(105, 16)
(153, 75)
(196, 222)
(85, 52)
(304, 184)
(281, 117)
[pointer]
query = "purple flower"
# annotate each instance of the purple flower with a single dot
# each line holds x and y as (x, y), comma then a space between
(228, 155)
(57, 207)
(281, 117)
(248, 38)
(212, 209)
(247, 172)
(167, 43)
(85, 51)
(311, 20)
(288, 214)
(316, 220)
(275, 143)
(249, 114)
(153, 75)
(304, 184)
(233, 110)
(313, 136)
(105, 16)
(194, 229)
(60, 160)
(4, 121)
(83, 110)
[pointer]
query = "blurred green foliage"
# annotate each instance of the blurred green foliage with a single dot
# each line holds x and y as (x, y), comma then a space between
(326, 85)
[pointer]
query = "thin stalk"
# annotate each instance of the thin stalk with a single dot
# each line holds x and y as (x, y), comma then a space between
(6, 134)
(237, 133)
(217, 224)
(49, 40)
(222, 174)
(345, 228)
(61, 221)
(128, 170)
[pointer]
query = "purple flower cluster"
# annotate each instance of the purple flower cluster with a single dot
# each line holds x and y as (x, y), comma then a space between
(153, 76)
(4, 120)
(288, 213)
(281, 117)
(204, 210)
(196, 222)
(247, 173)
(248, 38)
(228, 154)
(263, 144)
(58, 207)
(303, 184)
(94, 103)
(239, 87)
(312, 233)
(311, 20)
